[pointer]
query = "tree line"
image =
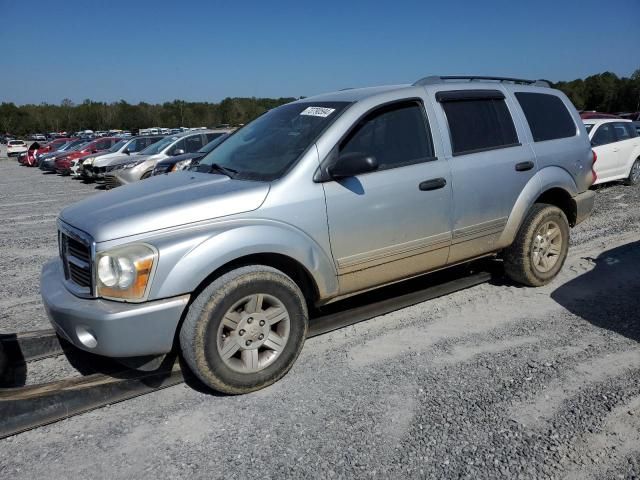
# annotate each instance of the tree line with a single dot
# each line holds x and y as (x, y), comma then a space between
(605, 92)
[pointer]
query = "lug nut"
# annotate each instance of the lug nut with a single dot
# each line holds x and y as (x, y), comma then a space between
(262, 322)
(248, 343)
(241, 332)
(250, 319)
(260, 337)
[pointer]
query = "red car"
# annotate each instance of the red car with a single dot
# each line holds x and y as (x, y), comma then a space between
(64, 162)
(594, 114)
(36, 150)
(53, 145)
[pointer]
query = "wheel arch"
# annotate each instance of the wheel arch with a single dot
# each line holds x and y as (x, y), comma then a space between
(553, 185)
(194, 264)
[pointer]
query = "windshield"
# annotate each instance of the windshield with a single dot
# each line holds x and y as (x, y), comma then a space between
(213, 143)
(269, 145)
(117, 146)
(158, 146)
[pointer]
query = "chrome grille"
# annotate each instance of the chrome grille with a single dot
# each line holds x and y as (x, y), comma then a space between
(76, 260)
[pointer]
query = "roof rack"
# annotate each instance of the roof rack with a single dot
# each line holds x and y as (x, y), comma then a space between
(435, 79)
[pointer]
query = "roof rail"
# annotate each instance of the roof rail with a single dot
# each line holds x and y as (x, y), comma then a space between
(436, 79)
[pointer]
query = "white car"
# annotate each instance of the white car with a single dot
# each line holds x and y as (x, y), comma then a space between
(617, 146)
(16, 147)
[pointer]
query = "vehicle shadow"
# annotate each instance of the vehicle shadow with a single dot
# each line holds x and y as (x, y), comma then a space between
(607, 295)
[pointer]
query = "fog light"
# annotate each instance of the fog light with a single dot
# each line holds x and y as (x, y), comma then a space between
(86, 337)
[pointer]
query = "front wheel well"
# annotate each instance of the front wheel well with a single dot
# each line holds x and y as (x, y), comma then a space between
(561, 199)
(287, 265)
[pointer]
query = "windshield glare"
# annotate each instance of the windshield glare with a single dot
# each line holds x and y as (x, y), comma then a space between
(158, 146)
(213, 143)
(266, 148)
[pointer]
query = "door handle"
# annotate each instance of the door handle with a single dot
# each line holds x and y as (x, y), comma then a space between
(433, 184)
(524, 166)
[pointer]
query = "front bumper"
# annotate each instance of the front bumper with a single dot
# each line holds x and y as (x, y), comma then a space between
(109, 328)
(584, 205)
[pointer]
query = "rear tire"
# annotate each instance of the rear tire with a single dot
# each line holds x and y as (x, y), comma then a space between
(634, 174)
(245, 330)
(540, 247)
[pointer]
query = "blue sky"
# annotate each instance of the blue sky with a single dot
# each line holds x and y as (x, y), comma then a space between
(205, 51)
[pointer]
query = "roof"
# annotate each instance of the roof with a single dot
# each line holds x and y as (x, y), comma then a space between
(466, 81)
(594, 121)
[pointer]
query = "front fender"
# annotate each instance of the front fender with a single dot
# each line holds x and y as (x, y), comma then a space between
(186, 264)
(545, 179)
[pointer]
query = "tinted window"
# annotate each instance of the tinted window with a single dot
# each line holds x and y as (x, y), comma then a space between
(394, 135)
(547, 116)
(193, 144)
(604, 134)
(479, 124)
(621, 131)
(633, 132)
(588, 126)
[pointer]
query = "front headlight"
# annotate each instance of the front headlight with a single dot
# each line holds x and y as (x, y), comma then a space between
(124, 273)
(181, 165)
(132, 164)
(88, 161)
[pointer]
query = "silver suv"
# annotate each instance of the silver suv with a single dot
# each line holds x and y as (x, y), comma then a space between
(315, 201)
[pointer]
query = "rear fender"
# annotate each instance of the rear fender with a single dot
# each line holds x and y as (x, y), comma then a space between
(545, 179)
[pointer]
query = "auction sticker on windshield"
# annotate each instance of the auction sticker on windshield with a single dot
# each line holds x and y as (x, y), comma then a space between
(318, 111)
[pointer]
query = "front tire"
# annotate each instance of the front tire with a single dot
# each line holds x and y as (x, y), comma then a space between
(245, 330)
(634, 174)
(540, 248)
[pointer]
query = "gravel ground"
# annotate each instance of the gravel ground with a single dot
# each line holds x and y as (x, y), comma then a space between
(496, 381)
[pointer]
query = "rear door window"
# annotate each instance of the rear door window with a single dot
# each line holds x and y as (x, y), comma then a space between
(478, 124)
(547, 116)
(604, 134)
(395, 135)
(633, 132)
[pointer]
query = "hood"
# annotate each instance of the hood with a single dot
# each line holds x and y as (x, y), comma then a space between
(107, 159)
(161, 202)
(93, 156)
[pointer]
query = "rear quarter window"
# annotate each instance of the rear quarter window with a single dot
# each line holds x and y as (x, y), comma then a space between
(547, 116)
(479, 124)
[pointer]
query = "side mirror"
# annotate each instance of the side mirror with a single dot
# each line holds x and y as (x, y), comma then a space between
(126, 151)
(179, 151)
(95, 150)
(352, 164)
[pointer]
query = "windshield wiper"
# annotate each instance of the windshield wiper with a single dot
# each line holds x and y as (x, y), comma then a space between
(229, 172)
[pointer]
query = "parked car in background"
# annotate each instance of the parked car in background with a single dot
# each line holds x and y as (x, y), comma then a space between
(46, 161)
(29, 159)
(617, 146)
(94, 166)
(141, 166)
(633, 116)
(54, 145)
(63, 163)
(182, 162)
(586, 115)
(310, 203)
(16, 147)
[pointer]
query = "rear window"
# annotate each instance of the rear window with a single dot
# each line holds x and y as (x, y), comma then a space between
(547, 116)
(16, 142)
(479, 124)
